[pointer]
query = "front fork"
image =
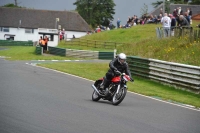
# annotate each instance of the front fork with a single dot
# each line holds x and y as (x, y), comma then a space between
(119, 86)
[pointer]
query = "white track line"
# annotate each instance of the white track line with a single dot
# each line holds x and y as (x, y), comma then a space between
(186, 106)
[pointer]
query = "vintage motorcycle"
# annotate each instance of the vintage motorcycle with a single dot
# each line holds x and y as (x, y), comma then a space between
(116, 91)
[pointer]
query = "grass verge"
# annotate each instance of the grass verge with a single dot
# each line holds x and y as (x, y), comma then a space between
(94, 71)
(26, 53)
(141, 41)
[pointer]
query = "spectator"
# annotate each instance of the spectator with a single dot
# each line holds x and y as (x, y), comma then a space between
(175, 14)
(180, 11)
(98, 29)
(173, 24)
(118, 23)
(136, 20)
(166, 21)
(74, 36)
(111, 25)
(102, 27)
(60, 35)
(40, 41)
(187, 17)
(63, 34)
(183, 21)
(46, 43)
(190, 13)
(159, 18)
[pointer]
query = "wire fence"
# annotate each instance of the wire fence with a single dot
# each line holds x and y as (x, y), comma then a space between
(193, 34)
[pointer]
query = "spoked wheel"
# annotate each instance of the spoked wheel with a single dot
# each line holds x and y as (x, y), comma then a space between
(118, 97)
(95, 96)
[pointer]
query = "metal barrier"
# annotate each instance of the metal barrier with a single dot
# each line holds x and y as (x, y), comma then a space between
(178, 75)
(39, 50)
(81, 53)
(15, 43)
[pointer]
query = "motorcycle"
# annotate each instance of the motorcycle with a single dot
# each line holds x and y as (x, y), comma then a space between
(116, 90)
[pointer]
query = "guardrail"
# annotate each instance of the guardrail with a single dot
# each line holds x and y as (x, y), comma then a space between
(15, 43)
(179, 75)
(93, 43)
(81, 53)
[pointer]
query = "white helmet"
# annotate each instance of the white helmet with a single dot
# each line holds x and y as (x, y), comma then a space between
(122, 58)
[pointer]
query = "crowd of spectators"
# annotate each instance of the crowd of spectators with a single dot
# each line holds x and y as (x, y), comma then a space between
(178, 18)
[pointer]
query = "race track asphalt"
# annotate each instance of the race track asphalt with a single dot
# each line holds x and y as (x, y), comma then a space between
(38, 100)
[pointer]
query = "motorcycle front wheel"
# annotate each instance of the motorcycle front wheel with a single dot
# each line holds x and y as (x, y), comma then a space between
(118, 97)
(95, 96)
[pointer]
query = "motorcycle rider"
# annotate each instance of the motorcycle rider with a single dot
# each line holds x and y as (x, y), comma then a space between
(117, 66)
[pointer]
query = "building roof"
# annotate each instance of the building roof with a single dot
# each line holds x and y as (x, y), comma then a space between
(31, 18)
(195, 8)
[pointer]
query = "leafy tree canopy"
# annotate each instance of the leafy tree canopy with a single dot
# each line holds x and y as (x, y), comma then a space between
(11, 5)
(193, 2)
(96, 12)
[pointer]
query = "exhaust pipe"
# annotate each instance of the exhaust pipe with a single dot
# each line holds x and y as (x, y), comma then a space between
(96, 90)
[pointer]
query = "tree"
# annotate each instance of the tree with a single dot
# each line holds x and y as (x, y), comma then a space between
(144, 10)
(195, 2)
(156, 4)
(168, 2)
(96, 12)
(12, 5)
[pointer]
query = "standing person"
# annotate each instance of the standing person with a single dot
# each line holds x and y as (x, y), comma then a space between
(46, 43)
(187, 17)
(118, 23)
(63, 34)
(40, 41)
(60, 35)
(166, 21)
(175, 14)
(190, 13)
(173, 24)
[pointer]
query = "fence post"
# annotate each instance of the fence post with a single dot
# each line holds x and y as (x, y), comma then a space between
(115, 52)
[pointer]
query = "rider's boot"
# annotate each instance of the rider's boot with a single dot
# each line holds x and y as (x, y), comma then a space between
(103, 83)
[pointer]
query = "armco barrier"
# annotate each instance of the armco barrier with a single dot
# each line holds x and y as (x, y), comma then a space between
(57, 51)
(106, 55)
(15, 43)
(178, 75)
(81, 53)
(39, 50)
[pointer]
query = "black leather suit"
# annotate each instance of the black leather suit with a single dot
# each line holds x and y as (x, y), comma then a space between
(115, 65)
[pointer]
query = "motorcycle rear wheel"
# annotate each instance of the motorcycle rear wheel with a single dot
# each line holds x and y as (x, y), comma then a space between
(95, 96)
(118, 97)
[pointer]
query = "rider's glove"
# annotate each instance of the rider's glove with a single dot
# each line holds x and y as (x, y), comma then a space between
(117, 73)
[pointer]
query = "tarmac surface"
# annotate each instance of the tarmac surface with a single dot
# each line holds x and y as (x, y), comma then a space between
(38, 100)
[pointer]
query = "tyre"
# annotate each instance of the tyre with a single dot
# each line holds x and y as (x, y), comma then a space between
(118, 97)
(95, 96)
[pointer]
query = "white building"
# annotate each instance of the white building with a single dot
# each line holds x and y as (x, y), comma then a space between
(22, 24)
